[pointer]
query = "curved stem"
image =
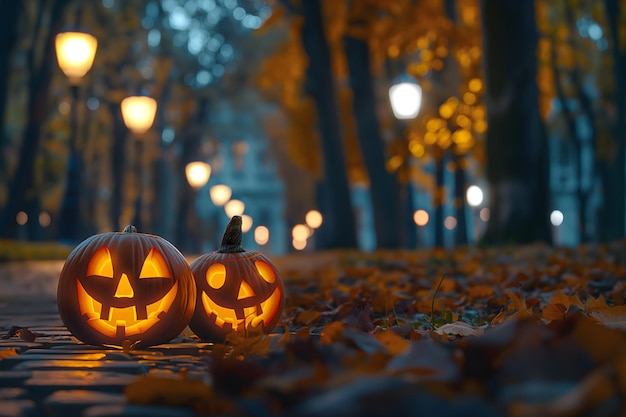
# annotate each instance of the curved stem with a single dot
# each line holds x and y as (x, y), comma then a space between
(231, 241)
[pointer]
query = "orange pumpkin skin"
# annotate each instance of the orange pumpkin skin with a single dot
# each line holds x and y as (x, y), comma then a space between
(126, 286)
(236, 290)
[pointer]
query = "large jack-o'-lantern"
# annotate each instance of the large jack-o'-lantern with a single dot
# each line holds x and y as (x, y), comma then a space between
(126, 286)
(237, 289)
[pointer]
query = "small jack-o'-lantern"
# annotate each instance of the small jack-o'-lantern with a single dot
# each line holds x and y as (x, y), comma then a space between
(126, 286)
(237, 289)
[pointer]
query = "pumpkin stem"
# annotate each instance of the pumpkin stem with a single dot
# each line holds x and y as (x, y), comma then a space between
(231, 241)
(130, 229)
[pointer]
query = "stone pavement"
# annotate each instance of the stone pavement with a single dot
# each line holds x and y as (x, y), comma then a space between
(56, 375)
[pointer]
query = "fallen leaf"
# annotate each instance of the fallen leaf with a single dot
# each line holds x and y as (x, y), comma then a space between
(21, 332)
(458, 328)
(7, 353)
(333, 332)
(554, 312)
(394, 343)
(307, 317)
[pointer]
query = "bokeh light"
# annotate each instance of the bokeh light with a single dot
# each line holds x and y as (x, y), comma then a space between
(450, 222)
(220, 194)
(313, 219)
(246, 223)
(21, 218)
(300, 232)
(556, 217)
(198, 174)
(298, 244)
(485, 214)
(421, 217)
(261, 235)
(234, 208)
(474, 195)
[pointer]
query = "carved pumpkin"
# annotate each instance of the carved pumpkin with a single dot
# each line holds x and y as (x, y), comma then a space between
(126, 286)
(237, 289)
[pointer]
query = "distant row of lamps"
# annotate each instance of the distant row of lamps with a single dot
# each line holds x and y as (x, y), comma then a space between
(198, 174)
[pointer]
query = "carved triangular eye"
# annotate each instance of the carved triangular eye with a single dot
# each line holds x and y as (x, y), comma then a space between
(155, 266)
(101, 263)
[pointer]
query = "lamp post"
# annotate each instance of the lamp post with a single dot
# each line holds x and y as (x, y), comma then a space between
(474, 197)
(138, 114)
(198, 174)
(75, 52)
(405, 96)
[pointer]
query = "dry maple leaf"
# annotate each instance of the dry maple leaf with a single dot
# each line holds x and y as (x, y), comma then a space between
(459, 328)
(248, 343)
(21, 332)
(394, 343)
(196, 394)
(7, 353)
(517, 304)
(333, 332)
(307, 317)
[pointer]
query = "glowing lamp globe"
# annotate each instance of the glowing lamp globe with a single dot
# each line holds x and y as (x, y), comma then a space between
(474, 195)
(261, 235)
(313, 219)
(220, 194)
(246, 223)
(197, 173)
(234, 208)
(237, 289)
(126, 287)
(406, 99)
(138, 113)
(75, 53)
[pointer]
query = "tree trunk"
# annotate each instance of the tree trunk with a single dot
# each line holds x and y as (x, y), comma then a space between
(439, 198)
(517, 152)
(339, 229)
(22, 185)
(460, 232)
(611, 214)
(8, 38)
(384, 189)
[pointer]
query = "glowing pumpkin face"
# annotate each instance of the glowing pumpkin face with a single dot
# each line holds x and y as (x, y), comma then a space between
(125, 286)
(236, 289)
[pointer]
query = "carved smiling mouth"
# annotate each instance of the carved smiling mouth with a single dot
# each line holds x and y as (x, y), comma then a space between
(248, 316)
(118, 322)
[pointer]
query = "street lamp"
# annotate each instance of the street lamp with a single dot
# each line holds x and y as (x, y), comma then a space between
(246, 223)
(406, 98)
(75, 52)
(313, 219)
(261, 235)
(198, 174)
(234, 208)
(474, 196)
(220, 194)
(138, 114)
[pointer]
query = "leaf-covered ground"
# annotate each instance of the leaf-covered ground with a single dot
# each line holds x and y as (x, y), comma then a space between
(525, 331)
